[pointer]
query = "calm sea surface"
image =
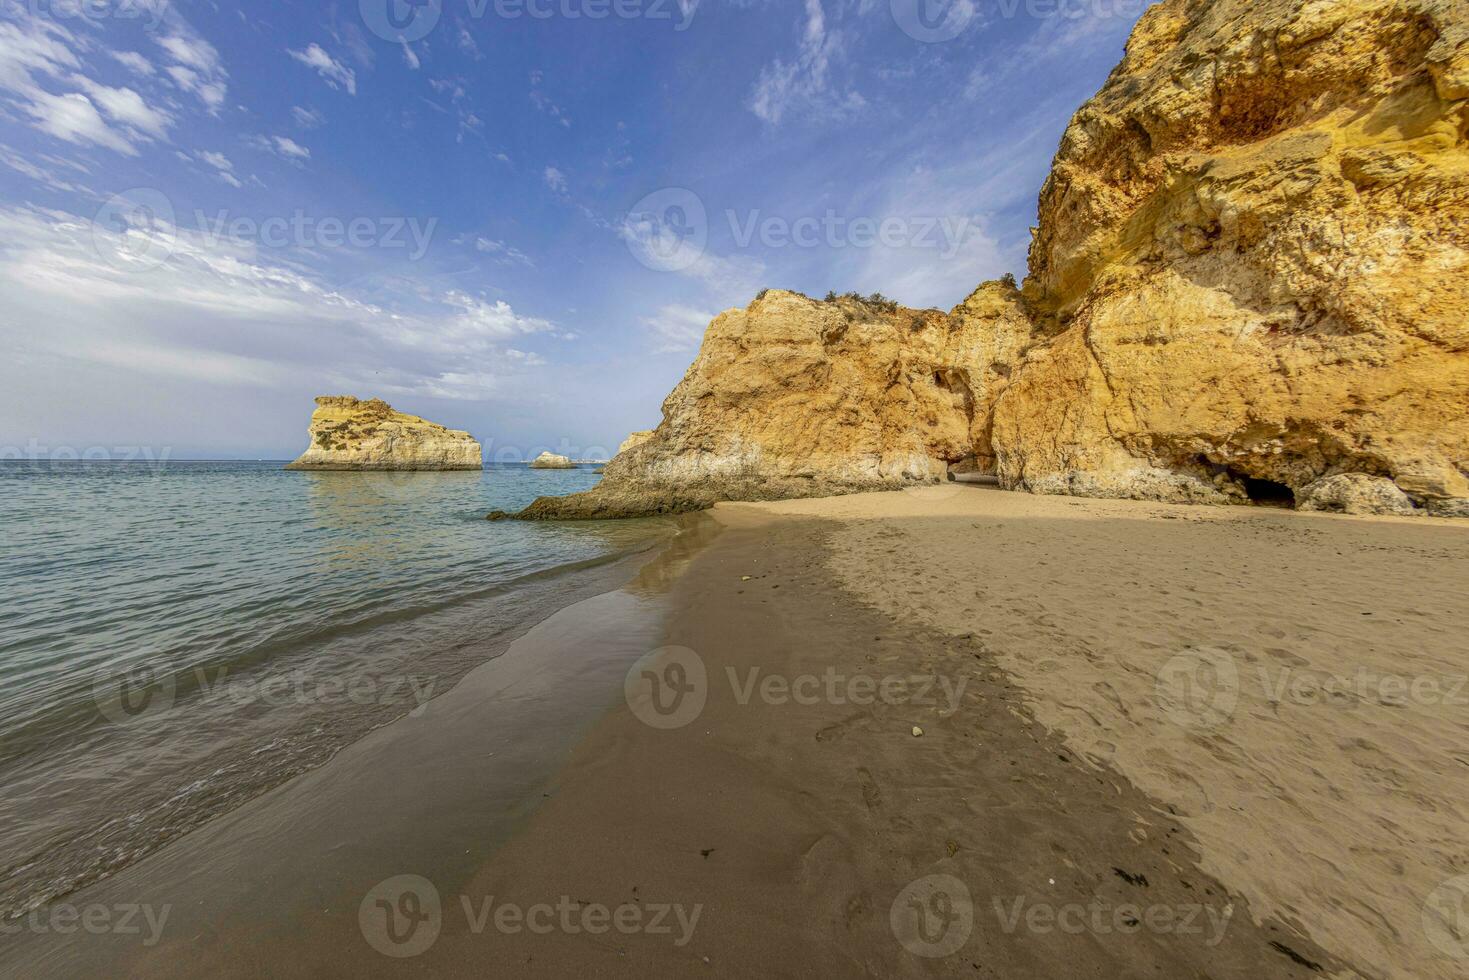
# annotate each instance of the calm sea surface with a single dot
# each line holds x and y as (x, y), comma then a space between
(177, 638)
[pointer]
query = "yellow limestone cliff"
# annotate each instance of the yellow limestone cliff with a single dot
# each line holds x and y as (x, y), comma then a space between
(1250, 280)
(350, 434)
(794, 397)
(1251, 274)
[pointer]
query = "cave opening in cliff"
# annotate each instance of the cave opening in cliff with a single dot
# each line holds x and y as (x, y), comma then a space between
(1268, 493)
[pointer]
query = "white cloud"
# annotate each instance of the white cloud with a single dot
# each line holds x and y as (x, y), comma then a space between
(678, 328)
(32, 46)
(543, 102)
(197, 68)
(336, 74)
(39, 174)
(504, 254)
(806, 84)
(555, 179)
(281, 146)
(307, 118)
(657, 245)
(229, 313)
(73, 118)
(224, 168)
(290, 148)
(125, 106)
(216, 160)
(134, 62)
(468, 45)
(37, 53)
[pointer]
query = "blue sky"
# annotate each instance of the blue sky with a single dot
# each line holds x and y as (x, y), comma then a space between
(511, 216)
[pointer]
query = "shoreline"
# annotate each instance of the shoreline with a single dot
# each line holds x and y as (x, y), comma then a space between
(288, 834)
(785, 825)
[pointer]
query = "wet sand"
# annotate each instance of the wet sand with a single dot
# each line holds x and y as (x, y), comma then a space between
(801, 744)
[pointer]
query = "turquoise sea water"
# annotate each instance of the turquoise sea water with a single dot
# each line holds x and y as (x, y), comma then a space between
(176, 638)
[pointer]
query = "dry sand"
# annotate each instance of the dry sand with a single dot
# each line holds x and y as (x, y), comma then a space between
(1292, 685)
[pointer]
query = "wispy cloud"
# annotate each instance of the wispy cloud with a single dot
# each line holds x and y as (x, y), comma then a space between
(503, 253)
(336, 74)
(282, 146)
(677, 329)
(38, 56)
(806, 83)
(196, 67)
(544, 102)
(307, 118)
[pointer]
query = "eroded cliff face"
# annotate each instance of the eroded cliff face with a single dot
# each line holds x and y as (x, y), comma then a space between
(350, 434)
(1252, 266)
(793, 397)
(1250, 281)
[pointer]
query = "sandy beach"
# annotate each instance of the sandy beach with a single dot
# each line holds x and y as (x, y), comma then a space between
(934, 733)
(1292, 686)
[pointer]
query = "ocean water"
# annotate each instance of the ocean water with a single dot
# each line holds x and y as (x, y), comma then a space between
(177, 638)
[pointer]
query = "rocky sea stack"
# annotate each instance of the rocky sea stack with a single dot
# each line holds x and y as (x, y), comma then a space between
(1248, 283)
(550, 461)
(351, 434)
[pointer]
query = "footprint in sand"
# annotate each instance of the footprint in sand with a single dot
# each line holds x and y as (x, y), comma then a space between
(871, 792)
